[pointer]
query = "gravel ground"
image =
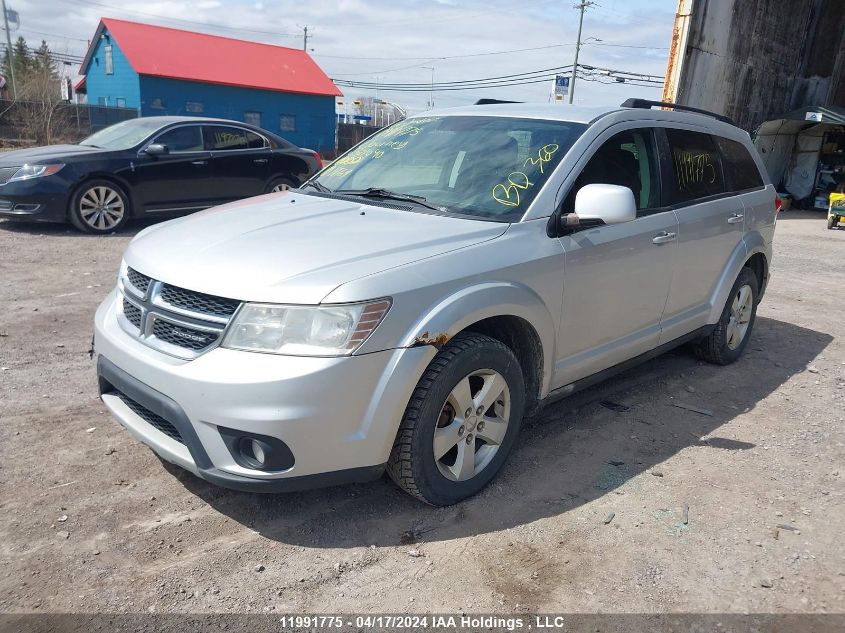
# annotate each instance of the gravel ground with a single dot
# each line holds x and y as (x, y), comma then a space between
(653, 508)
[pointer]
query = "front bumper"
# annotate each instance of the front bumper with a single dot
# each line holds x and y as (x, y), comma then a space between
(34, 200)
(338, 416)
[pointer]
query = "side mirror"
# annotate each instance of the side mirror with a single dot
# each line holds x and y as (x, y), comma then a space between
(156, 149)
(611, 204)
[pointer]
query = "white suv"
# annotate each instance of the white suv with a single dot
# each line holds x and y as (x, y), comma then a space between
(410, 304)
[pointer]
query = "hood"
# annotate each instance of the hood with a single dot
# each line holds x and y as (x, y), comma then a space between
(294, 248)
(45, 153)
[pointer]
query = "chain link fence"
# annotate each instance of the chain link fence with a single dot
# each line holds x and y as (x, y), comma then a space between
(25, 123)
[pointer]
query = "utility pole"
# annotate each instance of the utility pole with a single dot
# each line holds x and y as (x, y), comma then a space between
(305, 37)
(431, 90)
(10, 53)
(582, 6)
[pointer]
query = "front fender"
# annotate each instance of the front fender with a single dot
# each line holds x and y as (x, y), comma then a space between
(457, 311)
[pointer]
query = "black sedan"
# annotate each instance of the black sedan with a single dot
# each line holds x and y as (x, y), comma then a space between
(148, 166)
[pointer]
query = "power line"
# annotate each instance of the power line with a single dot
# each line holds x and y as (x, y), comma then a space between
(460, 81)
(443, 57)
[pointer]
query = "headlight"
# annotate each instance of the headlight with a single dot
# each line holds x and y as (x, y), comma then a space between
(35, 171)
(332, 330)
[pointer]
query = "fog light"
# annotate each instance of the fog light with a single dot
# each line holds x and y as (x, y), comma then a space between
(258, 452)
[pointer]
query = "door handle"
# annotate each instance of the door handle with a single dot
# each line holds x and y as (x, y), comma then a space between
(736, 218)
(260, 161)
(199, 163)
(662, 238)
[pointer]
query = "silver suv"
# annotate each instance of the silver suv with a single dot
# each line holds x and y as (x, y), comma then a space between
(409, 305)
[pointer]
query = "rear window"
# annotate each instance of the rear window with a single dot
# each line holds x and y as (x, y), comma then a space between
(222, 138)
(696, 168)
(740, 169)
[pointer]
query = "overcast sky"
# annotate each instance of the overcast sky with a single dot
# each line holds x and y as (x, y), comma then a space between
(393, 40)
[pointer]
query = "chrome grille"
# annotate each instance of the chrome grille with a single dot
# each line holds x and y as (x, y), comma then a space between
(153, 419)
(141, 282)
(198, 302)
(174, 320)
(182, 336)
(132, 313)
(6, 173)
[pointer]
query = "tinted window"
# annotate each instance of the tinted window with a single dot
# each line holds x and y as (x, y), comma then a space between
(740, 169)
(628, 159)
(182, 139)
(696, 168)
(221, 138)
(254, 140)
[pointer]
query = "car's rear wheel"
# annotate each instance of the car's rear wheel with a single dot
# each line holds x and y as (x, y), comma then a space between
(728, 339)
(461, 422)
(99, 206)
(280, 184)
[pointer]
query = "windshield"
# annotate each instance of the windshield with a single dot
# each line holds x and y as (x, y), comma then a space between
(123, 135)
(481, 166)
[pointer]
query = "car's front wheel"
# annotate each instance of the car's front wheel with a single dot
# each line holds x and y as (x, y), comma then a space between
(461, 422)
(99, 206)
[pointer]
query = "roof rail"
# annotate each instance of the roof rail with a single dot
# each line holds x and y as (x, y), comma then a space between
(493, 101)
(646, 104)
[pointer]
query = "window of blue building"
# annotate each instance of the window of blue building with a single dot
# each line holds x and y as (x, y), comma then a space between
(194, 107)
(120, 102)
(109, 59)
(287, 122)
(253, 118)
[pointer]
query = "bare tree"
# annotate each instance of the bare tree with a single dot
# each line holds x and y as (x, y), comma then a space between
(38, 88)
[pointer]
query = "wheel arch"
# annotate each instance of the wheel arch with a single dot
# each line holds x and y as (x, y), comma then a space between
(511, 313)
(752, 251)
(522, 339)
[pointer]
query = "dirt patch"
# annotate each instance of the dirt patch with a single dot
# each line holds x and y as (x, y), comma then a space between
(140, 536)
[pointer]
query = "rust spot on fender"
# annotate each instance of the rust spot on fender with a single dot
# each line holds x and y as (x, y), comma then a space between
(437, 340)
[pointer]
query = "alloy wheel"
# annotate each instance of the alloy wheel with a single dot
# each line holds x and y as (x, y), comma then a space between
(472, 425)
(282, 186)
(741, 309)
(101, 208)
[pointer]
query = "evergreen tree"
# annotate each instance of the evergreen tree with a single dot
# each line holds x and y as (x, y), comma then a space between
(43, 63)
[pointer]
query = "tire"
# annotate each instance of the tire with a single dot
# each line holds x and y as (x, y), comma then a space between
(471, 365)
(279, 184)
(724, 346)
(831, 221)
(99, 207)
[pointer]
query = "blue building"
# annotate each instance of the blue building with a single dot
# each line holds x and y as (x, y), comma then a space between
(159, 70)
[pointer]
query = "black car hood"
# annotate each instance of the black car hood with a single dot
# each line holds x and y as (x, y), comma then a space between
(48, 152)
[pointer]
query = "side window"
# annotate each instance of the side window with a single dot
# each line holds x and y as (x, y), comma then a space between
(182, 139)
(628, 159)
(221, 138)
(740, 169)
(254, 141)
(696, 166)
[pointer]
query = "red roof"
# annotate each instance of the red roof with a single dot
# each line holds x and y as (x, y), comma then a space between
(158, 51)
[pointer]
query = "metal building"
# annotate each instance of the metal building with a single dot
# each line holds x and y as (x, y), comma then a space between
(161, 70)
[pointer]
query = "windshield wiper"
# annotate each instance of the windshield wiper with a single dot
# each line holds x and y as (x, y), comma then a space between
(378, 192)
(317, 185)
